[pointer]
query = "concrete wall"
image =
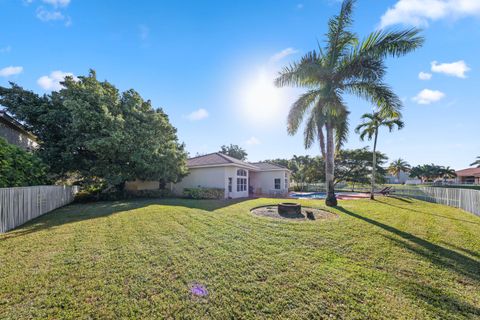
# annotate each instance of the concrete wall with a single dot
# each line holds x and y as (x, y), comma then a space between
(263, 182)
(16, 137)
(202, 177)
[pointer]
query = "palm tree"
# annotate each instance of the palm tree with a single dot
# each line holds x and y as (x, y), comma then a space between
(369, 129)
(398, 166)
(448, 173)
(477, 162)
(344, 66)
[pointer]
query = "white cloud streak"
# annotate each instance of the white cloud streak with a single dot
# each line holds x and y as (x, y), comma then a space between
(57, 3)
(455, 69)
(253, 141)
(421, 12)
(424, 76)
(427, 96)
(52, 82)
(10, 71)
(197, 115)
(282, 54)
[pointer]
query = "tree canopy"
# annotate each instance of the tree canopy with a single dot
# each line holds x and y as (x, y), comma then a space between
(91, 130)
(234, 151)
(432, 172)
(19, 168)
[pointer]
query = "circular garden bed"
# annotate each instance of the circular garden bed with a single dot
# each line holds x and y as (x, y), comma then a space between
(302, 213)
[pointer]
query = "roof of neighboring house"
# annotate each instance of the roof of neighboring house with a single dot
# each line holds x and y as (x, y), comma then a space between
(8, 120)
(470, 172)
(268, 166)
(218, 159)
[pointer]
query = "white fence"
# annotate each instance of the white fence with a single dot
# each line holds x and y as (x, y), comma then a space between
(19, 205)
(466, 199)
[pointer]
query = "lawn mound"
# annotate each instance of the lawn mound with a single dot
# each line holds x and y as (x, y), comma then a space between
(307, 213)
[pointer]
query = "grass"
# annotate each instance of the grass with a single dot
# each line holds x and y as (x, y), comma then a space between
(385, 259)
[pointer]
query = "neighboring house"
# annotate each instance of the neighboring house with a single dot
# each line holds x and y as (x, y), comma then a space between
(15, 133)
(468, 176)
(402, 178)
(238, 178)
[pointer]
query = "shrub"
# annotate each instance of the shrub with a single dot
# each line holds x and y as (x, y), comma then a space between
(19, 168)
(204, 193)
(91, 195)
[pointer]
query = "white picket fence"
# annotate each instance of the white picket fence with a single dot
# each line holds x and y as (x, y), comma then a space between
(19, 205)
(466, 199)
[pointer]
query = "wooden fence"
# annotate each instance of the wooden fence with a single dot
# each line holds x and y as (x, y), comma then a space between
(466, 199)
(19, 205)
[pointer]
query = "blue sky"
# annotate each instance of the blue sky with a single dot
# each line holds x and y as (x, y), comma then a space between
(210, 66)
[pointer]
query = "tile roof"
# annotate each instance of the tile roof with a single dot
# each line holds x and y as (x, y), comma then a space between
(219, 159)
(268, 166)
(475, 172)
(215, 159)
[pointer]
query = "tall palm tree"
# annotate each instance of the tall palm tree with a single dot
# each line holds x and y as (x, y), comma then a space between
(476, 163)
(448, 173)
(345, 65)
(398, 166)
(369, 129)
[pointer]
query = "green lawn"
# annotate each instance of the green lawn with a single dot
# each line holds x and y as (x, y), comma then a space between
(392, 258)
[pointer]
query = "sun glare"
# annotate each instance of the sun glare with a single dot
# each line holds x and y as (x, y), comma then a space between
(260, 100)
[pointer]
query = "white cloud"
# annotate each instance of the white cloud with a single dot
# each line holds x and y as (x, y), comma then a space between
(282, 54)
(424, 76)
(10, 71)
(253, 141)
(5, 49)
(427, 96)
(197, 115)
(46, 15)
(57, 3)
(52, 81)
(420, 12)
(456, 69)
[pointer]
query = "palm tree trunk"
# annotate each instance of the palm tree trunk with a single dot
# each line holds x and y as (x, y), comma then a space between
(374, 165)
(331, 200)
(321, 139)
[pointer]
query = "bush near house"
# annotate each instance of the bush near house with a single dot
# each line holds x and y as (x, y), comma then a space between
(204, 193)
(19, 168)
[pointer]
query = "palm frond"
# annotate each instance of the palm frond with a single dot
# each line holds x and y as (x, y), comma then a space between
(396, 43)
(377, 93)
(298, 109)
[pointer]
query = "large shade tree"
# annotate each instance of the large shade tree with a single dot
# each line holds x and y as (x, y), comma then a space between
(369, 129)
(92, 132)
(345, 65)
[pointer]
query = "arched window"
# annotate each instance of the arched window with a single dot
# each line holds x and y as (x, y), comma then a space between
(241, 173)
(241, 182)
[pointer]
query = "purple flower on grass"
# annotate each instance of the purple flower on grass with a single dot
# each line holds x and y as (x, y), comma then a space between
(198, 290)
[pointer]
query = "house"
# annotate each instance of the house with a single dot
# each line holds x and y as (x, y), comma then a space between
(402, 178)
(15, 133)
(238, 178)
(468, 176)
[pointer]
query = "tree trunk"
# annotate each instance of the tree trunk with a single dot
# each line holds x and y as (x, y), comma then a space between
(374, 165)
(321, 139)
(331, 199)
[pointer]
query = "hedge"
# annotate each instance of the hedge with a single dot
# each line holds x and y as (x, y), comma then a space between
(19, 168)
(204, 193)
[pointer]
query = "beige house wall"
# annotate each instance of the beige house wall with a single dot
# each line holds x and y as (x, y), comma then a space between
(138, 185)
(263, 182)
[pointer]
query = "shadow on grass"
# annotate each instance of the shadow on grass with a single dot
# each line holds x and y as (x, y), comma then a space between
(441, 300)
(436, 254)
(85, 211)
(423, 212)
